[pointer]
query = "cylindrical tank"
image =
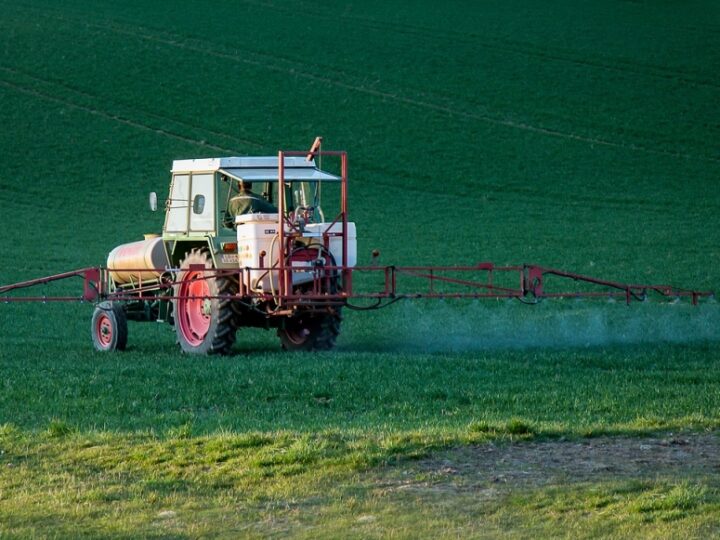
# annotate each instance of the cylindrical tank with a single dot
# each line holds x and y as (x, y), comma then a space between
(255, 234)
(137, 261)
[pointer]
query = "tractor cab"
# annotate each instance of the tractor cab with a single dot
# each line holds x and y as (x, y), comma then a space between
(201, 190)
(302, 191)
(205, 192)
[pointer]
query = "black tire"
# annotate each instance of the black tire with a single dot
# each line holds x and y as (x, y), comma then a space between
(311, 331)
(109, 328)
(203, 326)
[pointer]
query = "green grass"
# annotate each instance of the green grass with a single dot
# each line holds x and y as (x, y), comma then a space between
(392, 388)
(577, 135)
(327, 484)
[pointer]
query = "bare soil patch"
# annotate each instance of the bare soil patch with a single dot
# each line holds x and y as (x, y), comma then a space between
(494, 465)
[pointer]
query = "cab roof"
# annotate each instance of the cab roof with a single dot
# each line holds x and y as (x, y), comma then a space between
(255, 169)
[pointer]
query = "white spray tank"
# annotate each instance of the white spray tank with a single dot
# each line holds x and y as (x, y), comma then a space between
(257, 234)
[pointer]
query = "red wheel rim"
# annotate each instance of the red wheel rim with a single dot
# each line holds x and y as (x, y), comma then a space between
(104, 330)
(193, 308)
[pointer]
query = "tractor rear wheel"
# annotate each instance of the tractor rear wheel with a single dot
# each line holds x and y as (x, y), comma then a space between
(310, 331)
(203, 324)
(109, 327)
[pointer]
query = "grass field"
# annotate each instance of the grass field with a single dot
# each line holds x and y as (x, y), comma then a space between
(580, 135)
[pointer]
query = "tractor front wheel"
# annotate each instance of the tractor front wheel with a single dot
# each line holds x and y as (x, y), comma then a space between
(203, 322)
(109, 327)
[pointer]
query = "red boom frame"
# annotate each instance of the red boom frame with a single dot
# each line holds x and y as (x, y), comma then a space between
(532, 282)
(476, 281)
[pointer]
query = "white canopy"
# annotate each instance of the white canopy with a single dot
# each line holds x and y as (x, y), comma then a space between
(256, 169)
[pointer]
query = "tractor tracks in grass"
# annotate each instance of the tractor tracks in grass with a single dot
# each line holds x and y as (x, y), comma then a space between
(54, 89)
(528, 195)
(355, 83)
(104, 114)
(63, 93)
(96, 105)
(505, 46)
(300, 70)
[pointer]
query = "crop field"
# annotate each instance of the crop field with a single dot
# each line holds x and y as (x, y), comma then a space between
(578, 135)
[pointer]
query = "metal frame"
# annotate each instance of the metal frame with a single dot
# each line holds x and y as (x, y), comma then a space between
(285, 277)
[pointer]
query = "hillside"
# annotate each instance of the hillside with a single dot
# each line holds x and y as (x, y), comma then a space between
(580, 135)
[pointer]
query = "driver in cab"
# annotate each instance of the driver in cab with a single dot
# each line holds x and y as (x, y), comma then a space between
(247, 202)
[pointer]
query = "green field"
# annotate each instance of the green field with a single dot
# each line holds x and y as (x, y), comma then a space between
(580, 135)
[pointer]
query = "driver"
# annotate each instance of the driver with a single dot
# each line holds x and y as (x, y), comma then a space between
(247, 202)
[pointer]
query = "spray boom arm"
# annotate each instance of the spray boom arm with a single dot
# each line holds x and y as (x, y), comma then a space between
(533, 284)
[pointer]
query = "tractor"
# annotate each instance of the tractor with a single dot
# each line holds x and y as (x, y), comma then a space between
(211, 272)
